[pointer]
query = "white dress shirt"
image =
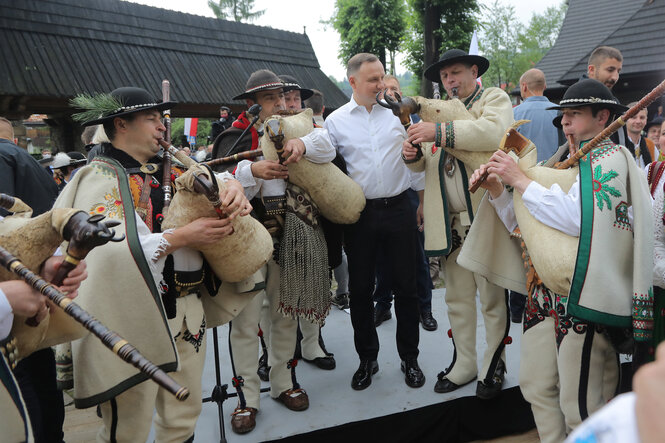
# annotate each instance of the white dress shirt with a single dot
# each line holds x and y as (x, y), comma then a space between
(371, 144)
(659, 236)
(6, 316)
(552, 207)
(318, 149)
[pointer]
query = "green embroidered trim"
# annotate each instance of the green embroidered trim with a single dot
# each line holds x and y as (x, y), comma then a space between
(446, 216)
(474, 97)
(450, 134)
(643, 316)
(467, 194)
(601, 188)
(133, 236)
(583, 256)
(437, 138)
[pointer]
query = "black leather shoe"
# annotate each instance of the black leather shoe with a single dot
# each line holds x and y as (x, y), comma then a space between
(428, 321)
(363, 376)
(381, 314)
(443, 385)
(413, 375)
(341, 300)
(327, 363)
(488, 390)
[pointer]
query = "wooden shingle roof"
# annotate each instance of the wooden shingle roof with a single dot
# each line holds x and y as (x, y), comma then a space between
(588, 23)
(638, 39)
(58, 48)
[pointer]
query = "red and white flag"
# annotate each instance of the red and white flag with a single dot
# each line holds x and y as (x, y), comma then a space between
(191, 125)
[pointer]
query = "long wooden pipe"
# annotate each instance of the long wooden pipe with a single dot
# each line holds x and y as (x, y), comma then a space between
(109, 338)
(235, 158)
(614, 127)
(166, 160)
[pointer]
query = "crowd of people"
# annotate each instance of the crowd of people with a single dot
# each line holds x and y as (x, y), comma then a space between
(575, 255)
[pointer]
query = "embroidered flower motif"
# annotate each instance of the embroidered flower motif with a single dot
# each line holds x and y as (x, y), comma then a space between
(110, 207)
(601, 188)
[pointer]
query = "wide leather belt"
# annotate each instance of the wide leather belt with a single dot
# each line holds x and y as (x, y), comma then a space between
(275, 204)
(9, 350)
(188, 282)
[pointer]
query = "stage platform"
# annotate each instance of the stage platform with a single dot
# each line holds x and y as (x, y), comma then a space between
(389, 410)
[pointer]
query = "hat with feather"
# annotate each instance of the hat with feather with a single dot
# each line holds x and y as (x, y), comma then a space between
(100, 108)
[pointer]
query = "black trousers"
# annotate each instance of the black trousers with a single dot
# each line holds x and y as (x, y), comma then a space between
(389, 226)
(36, 379)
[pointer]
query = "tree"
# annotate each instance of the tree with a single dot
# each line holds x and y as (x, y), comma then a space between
(434, 27)
(373, 26)
(510, 51)
(237, 10)
(202, 131)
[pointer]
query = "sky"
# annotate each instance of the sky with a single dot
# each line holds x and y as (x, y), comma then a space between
(292, 15)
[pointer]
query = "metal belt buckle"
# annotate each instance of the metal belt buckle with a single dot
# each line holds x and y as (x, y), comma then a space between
(449, 165)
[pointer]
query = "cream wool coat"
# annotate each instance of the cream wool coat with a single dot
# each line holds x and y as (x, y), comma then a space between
(120, 291)
(473, 140)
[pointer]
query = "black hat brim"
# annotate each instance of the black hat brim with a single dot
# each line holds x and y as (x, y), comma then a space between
(615, 108)
(432, 72)
(250, 94)
(156, 107)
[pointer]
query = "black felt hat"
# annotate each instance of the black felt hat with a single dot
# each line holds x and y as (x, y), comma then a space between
(261, 80)
(453, 56)
(291, 84)
(589, 92)
(119, 103)
(656, 121)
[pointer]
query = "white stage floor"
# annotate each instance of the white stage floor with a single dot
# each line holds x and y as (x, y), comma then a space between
(332, 401)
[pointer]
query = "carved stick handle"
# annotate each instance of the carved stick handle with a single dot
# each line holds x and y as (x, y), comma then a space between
(235, 158)
(110, 339)
(615, 126)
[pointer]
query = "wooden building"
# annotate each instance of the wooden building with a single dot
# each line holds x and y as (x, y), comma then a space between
(54, 49)
(632, 26)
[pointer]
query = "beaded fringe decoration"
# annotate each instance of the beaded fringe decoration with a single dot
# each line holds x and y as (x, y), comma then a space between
(304, 283)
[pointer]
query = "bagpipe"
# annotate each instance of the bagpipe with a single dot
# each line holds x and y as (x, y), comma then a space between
(26, 244)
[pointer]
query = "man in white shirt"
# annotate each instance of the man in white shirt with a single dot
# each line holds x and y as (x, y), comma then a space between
(370, 138)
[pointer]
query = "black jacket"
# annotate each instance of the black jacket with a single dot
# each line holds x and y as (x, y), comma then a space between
(23, 177)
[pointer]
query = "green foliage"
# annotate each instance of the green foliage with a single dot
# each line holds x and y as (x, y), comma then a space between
(457, 20)
(236, 10)
(343, 85)
(202, 131)
(94, 106)
(512, 50)
(373, 26)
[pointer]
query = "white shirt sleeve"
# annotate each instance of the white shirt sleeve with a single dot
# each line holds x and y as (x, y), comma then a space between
(555, 208)
(224, 176)
(659, 238)
(6, 316)
(251, 184)
(503, 205)
(153, 245)
(417, 180)
(318, 147)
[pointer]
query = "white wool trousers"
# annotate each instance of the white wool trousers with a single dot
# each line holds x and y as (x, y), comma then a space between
(565, 385)
(128, 417)
(461, 288)
(280, 338)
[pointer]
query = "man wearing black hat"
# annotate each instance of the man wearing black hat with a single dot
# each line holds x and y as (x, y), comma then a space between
(569, 362)
(149, 287)
(447, 194)
(265, 182)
